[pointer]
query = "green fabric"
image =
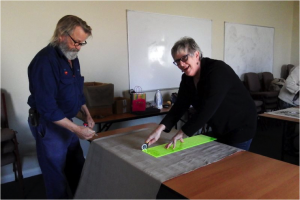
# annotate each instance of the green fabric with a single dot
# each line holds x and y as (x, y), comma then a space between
(160, 150)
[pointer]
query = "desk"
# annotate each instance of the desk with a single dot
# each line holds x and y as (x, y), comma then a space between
(109, 120)
(238, 175)
(244, 175)
(285, 120)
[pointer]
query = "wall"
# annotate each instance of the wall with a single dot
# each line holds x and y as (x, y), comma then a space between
(295, 35)
(28, 26)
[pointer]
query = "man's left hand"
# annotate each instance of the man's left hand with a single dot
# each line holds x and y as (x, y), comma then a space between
(90, 122)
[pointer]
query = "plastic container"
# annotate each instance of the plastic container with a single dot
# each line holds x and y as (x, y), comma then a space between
(158, 100)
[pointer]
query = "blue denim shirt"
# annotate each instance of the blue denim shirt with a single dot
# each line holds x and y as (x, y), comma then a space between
(56, 88)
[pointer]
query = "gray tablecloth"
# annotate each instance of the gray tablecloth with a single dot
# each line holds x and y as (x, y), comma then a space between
(116, 168)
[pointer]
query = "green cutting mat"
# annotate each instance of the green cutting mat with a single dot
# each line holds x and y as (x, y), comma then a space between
(160, 150)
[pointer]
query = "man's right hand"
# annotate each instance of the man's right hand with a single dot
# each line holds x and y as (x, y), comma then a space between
(84, 133)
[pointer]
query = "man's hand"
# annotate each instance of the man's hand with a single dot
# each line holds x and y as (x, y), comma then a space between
(178, 136)
(84, 133)
(90, 121)
(87, 115)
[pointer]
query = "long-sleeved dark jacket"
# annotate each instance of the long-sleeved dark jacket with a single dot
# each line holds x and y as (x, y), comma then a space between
(221, 100)
(56, 88)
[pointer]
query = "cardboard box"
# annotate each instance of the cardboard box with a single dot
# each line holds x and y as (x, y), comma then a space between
(98, 94)
(99, 99)
(121, 105)
(98, 112)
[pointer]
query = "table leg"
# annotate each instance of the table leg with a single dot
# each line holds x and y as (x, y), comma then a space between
(165, 192)
(284, 130)
(105, 127)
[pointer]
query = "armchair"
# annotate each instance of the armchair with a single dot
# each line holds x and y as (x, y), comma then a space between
(267, 78)
(285, 70)
(269, 98)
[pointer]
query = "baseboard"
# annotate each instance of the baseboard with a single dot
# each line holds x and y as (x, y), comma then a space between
(11, 177)
(30, 167)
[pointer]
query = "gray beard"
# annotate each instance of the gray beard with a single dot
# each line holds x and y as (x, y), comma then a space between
(71, 54)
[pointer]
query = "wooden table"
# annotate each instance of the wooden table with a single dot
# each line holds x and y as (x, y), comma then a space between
(285, 120)
(109, 120)
(242, 175)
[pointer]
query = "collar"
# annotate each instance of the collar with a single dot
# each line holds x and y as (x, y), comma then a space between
(59, 52)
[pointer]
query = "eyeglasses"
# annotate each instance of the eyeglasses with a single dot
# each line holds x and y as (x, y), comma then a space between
(183, 59)
(77, 43)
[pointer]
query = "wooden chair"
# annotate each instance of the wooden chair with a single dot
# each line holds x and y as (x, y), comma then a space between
(9, 146)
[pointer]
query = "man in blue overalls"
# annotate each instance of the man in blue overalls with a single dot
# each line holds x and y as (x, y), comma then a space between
(56, 88)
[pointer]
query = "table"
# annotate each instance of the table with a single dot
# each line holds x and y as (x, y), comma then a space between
(244, 175)
(110, 119)
(240, 175)
(285, 120)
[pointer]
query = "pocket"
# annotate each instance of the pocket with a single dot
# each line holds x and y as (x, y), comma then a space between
(67, 81)
(67, 89)
(41, 130)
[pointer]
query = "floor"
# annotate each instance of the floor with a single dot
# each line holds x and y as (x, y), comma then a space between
(33, 189)
(267, 142)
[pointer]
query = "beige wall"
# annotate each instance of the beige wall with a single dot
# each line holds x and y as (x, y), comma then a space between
(295, 35)
(28, 26)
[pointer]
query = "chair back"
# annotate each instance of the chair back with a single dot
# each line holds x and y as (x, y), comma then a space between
(4, 120)
(285, 70)
(288, 68)
(9, 146)
(267, 78)
(252, 82)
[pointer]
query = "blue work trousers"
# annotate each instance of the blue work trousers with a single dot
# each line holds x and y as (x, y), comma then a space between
(60, 158)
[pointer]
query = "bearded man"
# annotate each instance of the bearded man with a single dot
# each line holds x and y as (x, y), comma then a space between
(56, 88)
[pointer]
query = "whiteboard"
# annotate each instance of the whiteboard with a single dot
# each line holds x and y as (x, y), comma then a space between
(151, 37)
(249, 48)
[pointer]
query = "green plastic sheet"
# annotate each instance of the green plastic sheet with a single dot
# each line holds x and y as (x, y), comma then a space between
(160, 150)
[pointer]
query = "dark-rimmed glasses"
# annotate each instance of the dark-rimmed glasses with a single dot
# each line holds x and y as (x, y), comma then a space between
(183, 59)
(77, 43)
